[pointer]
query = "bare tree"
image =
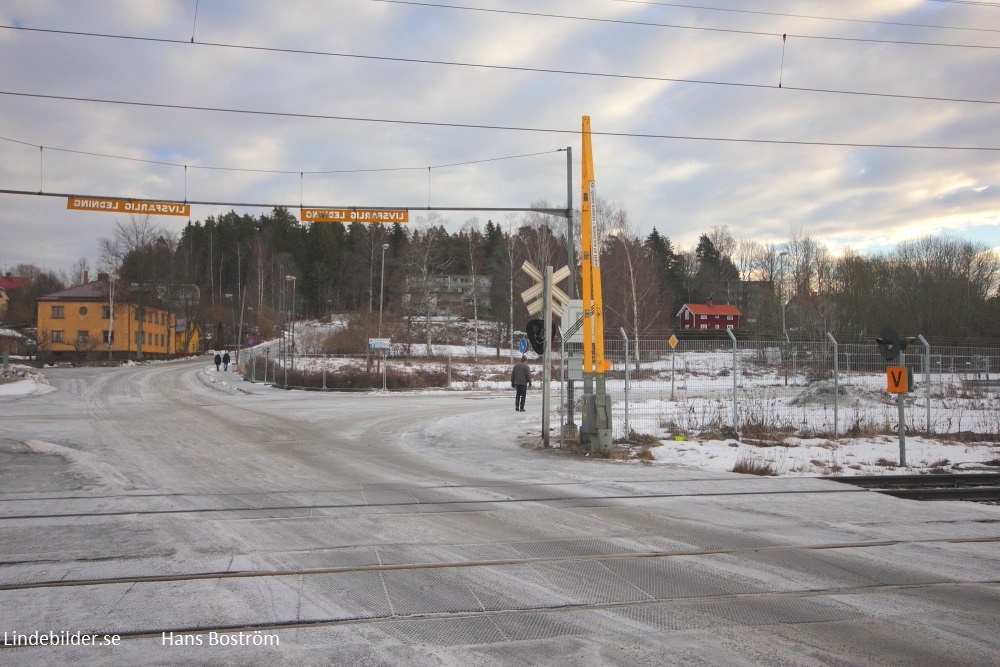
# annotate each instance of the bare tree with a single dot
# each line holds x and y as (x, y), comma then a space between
(136, 253)
(471, 229)
(79, 271)
(427, 255)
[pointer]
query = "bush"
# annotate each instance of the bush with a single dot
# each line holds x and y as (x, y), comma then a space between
(748, 464)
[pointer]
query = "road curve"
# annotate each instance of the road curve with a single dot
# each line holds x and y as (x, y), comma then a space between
(168, 502)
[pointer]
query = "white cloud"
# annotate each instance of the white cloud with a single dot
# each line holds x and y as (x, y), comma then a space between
(862, 197)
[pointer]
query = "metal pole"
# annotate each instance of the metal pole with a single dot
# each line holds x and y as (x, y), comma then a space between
(927, 377)
(625, 338)
(574, 280)
(673, 366)
(784, 329)
(547, 355)
(562, 381)
(574, 292)
(900, 403)
(736, 416)
(381, 291)
(836, 382)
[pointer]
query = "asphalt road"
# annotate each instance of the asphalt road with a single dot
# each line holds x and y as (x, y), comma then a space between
(426, 529)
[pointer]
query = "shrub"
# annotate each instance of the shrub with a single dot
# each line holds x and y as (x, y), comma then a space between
(748, 464)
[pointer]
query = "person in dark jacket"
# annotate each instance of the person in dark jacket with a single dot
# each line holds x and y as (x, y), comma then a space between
(520, 379)
(225, 361)
(218, 362)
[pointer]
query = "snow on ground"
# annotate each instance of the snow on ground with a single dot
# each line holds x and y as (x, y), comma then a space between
(877, 455)
(23, 381)
(787, 456)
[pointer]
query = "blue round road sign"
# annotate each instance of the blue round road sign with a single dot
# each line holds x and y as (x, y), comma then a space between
(522, 345)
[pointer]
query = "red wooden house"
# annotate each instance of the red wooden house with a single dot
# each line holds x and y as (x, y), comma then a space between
(708, 317)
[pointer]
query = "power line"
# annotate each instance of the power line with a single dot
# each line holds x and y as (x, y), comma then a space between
(510, 68)
(274, 171)
(652, 24)
(806, 16)
(480, 126)
(967, 2)
(547, 210)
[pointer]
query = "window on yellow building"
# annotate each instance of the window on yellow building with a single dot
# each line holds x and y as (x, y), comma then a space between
(57, 335)
(82, 336)
(58, 312)
(109, 336)
(106, 312)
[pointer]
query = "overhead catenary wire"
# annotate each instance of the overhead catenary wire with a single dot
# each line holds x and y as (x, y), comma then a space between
(508, 68)
(653, 24)
(811, 17)
(484, 126)
(277, 171)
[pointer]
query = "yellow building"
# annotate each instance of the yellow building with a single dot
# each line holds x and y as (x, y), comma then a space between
(83, 322)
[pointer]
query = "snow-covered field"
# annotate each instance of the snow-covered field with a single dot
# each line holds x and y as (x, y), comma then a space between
(785, 429)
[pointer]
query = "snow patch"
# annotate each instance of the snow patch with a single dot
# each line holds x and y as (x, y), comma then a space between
(84, 464)
(26, 382)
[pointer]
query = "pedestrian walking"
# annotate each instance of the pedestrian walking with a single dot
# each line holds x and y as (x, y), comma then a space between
(520, 379)
(225, 361)
(218, 362)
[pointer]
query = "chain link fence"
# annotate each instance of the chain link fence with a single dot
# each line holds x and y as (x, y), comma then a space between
(810, 389)
(751, 388)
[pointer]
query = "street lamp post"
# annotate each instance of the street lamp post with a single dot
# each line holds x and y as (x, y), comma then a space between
(232, 310)
(292, 316)
(381, 291)
(381, 298)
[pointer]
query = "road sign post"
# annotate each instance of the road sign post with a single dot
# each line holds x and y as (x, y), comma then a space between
(673, 362)
(891, 346)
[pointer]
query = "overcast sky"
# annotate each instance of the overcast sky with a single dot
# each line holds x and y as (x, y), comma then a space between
(401, 118)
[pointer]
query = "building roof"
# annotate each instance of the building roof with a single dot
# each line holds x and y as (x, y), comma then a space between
(14, 282)
(95, 290)
(710, 309)
(11, 334)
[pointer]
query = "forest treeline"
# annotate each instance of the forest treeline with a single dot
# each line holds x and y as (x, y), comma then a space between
(940, 286)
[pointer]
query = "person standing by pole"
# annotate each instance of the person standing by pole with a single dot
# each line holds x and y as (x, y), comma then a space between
(520, 379)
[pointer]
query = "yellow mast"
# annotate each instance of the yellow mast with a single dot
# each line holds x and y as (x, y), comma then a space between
(593, 329)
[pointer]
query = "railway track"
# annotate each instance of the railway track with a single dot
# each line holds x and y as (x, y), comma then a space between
(980, 487)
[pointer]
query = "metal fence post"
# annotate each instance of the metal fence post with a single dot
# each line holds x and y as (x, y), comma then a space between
(736, 369)
(625, 339)
(927, 377)
(900, 406)
(836, 382)
(324, 375)
(562, 383)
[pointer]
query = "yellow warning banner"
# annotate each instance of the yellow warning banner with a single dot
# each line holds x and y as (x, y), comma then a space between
(127, 206)
(354, 215)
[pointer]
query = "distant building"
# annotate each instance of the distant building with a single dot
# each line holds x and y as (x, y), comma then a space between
(449, 294)
(708, 316)
(10, 282)
(84, 322)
